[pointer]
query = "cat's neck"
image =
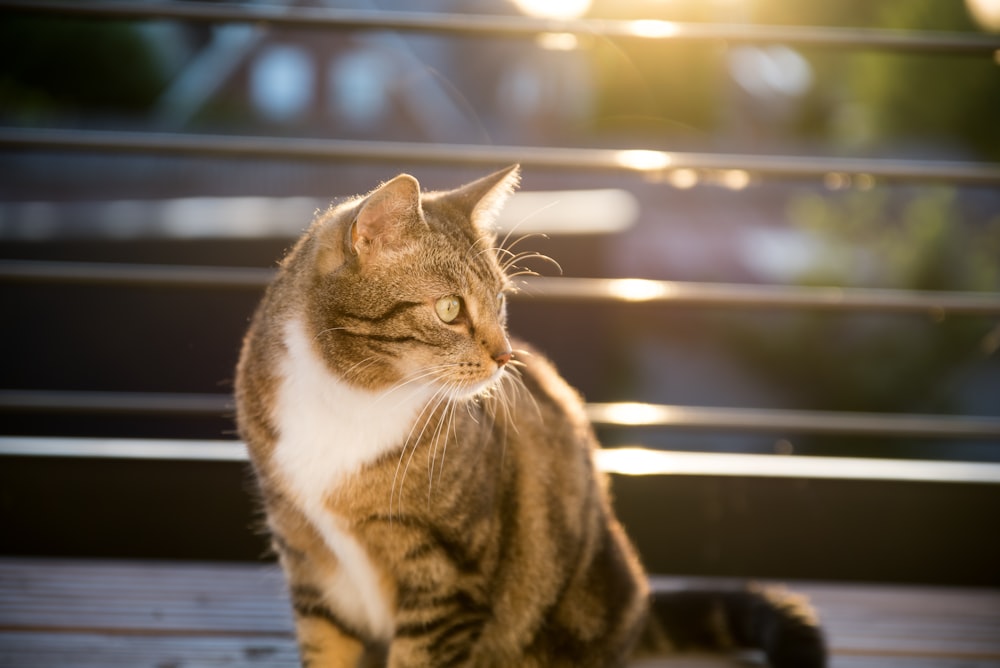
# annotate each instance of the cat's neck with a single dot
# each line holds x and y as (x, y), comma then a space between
(329, 429)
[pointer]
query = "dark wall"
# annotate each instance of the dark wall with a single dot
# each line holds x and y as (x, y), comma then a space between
(877, 531)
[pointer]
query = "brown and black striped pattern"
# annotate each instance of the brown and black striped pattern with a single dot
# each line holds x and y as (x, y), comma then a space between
(487, 529)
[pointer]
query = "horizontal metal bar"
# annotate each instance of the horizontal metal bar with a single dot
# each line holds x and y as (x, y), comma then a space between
(645, 461)
(781, 421)
(623, 461)
(520, 26)
(570, 289)
(118, 403)
(626, 160)
(621, 414)
(123, 448)
(729, 295)
(138, 275)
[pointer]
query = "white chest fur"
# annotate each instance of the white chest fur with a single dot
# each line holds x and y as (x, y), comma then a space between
(328, 430)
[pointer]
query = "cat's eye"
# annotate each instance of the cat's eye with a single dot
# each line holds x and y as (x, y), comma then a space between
(448, 308)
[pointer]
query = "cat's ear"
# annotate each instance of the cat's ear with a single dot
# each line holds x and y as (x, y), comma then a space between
(482, 199)
(386, 216)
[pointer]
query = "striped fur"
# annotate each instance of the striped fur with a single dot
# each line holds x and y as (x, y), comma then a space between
(432, 502)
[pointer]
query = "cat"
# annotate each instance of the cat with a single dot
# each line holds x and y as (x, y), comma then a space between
(429, 490)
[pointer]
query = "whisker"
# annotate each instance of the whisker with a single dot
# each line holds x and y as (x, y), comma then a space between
(433, 403)
(435, 441)
(427, 372)
(358, 367)
(524, 220)
(453, 424)
(445, 425)
(327, 331)
(530, 255)
(518, 384)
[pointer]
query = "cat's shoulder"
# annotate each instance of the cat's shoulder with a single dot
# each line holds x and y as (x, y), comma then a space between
(539, 375)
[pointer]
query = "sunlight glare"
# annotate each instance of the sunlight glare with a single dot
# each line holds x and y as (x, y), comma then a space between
(653, 28)
(643, 160)
(553, 9)
(683, 178)
(986, 13)
(736, 179)
(635, 414)
(638, 289)
(557, 41)
(632, 461)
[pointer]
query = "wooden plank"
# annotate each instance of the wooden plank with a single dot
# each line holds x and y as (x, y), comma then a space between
(143, 596)
(32, 649)
(164, 614)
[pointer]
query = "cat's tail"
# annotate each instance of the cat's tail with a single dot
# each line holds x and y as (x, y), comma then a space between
(771, 619)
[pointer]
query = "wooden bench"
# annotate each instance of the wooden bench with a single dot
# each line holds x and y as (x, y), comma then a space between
(71, 612)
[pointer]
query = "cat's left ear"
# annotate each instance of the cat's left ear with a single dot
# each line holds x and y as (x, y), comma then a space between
(482, 199)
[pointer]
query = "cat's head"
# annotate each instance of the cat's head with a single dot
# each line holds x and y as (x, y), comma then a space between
(406, 287)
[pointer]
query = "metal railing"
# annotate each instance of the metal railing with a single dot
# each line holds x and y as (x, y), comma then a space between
(641, 161)
(677, 293)
(610, 414)
(326, 18)
(648, 162)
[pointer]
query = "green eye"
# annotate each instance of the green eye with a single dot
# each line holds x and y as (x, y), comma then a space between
(448, 308)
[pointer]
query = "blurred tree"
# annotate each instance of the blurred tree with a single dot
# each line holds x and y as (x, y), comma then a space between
(874, 362)
(919, 239)
(71, 70)
(925, 99)
(860, 102)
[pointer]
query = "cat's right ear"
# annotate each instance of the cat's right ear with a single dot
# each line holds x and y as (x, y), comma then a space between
(386, 216)
(375, 222)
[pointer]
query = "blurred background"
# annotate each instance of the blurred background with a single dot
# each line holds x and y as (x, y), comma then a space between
(554, 90)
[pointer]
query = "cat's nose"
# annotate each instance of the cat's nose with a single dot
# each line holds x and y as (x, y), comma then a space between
(502, 358)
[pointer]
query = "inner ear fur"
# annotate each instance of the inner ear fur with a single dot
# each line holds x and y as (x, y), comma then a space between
(386, 216)
(368, 225)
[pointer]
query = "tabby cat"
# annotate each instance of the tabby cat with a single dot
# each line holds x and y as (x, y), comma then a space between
(431, 496)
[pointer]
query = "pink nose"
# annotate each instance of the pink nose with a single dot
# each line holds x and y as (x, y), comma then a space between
(502, 358)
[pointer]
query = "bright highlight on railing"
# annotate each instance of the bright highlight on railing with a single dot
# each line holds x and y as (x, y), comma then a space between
(735, 179)
(638, 289)
(643, 160)
(683, 179)
(557, 41)
(631, 413)
(553, 9)
(653, 29)
(643, 461)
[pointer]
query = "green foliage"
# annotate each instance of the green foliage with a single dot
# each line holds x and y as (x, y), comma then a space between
(861, 102)
(919, 243)
(876, 362)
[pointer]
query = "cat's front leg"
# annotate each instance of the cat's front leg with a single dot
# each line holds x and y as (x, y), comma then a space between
(446, 645)
(324, 640)
(438, 629)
